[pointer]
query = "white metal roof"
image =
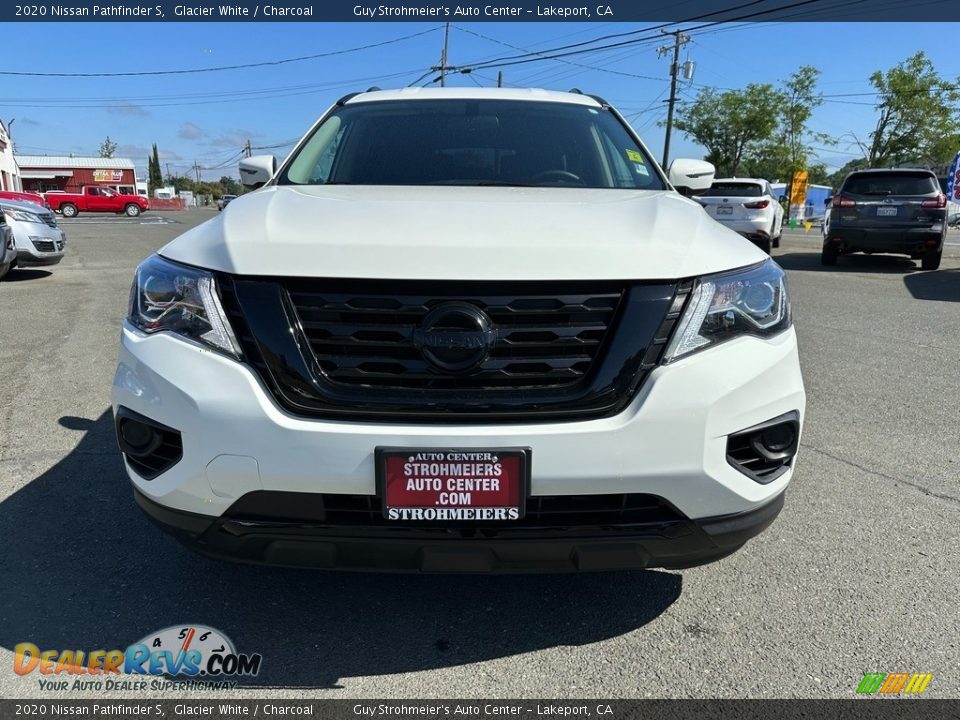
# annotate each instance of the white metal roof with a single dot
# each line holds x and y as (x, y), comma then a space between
(467, 93)
(63, 161)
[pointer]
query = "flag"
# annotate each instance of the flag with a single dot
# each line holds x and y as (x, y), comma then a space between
(953, 180)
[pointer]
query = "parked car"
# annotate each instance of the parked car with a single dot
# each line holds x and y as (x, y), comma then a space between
(24, 197)
(8, 248)
(96, 198)
(224, 200)
(37, 238)
(888, 211)
(490, 334)
(747, 206)
(954, 220)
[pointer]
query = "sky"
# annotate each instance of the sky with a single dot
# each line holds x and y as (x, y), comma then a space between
(207, 117)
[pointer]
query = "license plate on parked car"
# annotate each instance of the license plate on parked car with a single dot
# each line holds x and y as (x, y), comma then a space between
(448, 485)
(886, 212)
(724, 210)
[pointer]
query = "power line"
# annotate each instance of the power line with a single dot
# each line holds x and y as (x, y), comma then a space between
(190, 71)
(567, 62)
(543, 54)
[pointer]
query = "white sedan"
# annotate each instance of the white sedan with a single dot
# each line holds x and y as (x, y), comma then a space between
(747, 206)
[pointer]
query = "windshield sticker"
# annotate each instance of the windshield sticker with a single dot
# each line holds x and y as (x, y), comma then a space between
(634, 156)
(641, 169)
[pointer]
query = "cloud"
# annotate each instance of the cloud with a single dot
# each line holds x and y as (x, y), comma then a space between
(131, 151)
(127, 108)
(31, 122)
(235, 138)
(189, 131)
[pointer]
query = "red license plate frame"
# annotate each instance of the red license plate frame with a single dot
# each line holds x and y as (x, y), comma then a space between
(414, 493)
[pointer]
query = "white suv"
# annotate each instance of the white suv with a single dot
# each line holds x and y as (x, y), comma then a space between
(747, 206)
(462, 330)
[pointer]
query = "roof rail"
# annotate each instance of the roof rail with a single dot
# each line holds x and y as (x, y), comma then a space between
(347, 98)
(578, 91)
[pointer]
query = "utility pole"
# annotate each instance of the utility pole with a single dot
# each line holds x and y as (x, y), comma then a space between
(443, 67)
(247, 150)
(196, 170)
(500, 79)
(168, 169)
(679, 40)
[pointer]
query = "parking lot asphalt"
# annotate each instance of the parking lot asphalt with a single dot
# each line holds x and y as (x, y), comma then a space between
(859, 574)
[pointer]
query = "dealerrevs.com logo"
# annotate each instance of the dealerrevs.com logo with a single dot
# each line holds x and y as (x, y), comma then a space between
(192, 655)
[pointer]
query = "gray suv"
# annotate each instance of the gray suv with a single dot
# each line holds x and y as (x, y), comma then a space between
(888, 211)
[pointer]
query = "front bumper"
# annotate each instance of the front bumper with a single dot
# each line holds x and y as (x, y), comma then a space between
(670, 443)
(38, 243)
(885, 240)
(680, 543)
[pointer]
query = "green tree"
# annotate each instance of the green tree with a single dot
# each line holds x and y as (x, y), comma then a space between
(230, 186)
(154, 174)
(731, 125)
(789, 149)
(107, 148)
(918, 115)
(179, 182)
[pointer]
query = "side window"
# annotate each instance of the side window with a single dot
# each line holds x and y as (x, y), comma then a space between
(324, 168)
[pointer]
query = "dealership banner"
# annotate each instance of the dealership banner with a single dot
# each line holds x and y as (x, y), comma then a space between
(474, 709)
(706, 11)
(953, 181)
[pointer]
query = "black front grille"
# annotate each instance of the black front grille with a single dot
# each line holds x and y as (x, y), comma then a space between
(365, 511)
(543, 340)
(350, 348)
(44, 245)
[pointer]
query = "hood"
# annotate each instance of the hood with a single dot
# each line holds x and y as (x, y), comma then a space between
(463, 233)
(24, 205)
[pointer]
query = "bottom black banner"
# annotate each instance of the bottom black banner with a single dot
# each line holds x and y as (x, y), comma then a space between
(469, 709)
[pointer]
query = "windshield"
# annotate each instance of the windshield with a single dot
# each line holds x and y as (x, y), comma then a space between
(731, 189)
(472, 142)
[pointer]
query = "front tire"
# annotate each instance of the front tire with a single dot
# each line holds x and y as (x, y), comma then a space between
(828, 256)
(931, 259)
(132, 210)
(68, 210)
(765, 245)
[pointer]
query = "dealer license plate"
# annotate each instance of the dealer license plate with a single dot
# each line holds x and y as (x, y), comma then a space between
(886, 212)
(724, 210)
(450, 485)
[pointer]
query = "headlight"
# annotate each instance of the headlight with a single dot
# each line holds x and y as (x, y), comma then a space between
(174, 298)
(23, 216)
(725, 306)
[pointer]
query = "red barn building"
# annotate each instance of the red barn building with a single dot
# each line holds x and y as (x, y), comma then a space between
(42, 173)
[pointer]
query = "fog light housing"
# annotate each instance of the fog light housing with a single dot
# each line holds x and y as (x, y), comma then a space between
(150, 448)
(764, 452)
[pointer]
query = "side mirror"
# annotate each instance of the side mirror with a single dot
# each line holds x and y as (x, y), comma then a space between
(256, 171)
(782, 198)
(828, 200)
(691, 176)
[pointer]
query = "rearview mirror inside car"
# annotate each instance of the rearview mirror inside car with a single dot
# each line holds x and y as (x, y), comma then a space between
(691, 176)
(257, 170)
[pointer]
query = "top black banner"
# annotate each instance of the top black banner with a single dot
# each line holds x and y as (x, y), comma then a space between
(707, 11)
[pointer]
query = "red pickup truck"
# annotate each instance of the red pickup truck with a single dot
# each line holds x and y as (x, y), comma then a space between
(95, 198)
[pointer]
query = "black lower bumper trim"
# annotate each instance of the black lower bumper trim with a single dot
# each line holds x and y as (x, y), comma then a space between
(673, 545)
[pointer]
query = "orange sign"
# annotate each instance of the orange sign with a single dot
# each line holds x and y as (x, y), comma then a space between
(798, 188)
